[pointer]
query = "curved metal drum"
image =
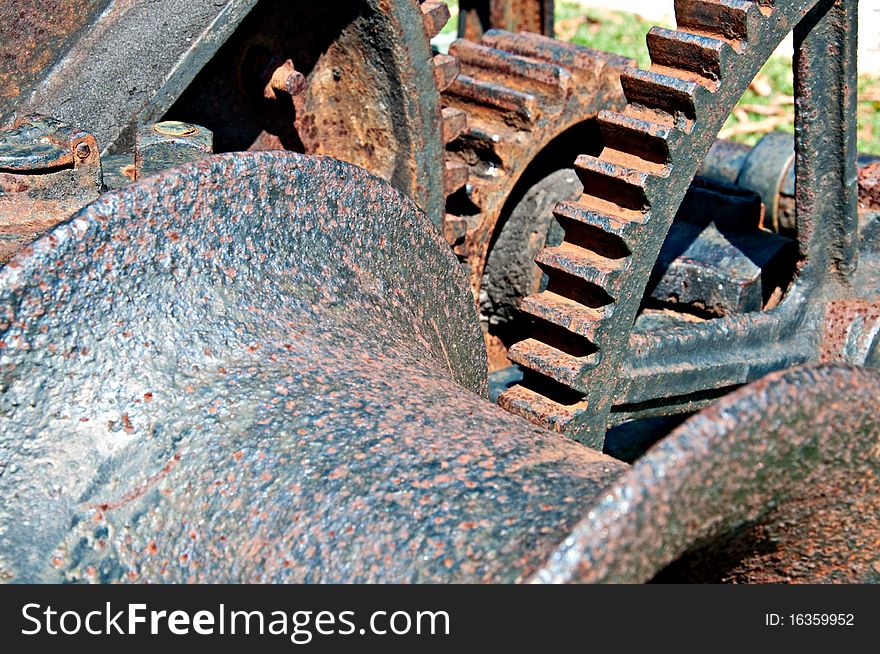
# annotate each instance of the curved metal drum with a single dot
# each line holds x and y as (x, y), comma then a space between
(263, 367)
(775, 483)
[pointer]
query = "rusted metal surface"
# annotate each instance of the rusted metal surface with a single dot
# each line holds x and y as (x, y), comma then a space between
(110, 68)
(476, 17)
(869, 187)
(277, 378)
(510, 272)
(169, 144)
(286, 80)
(596, 358)
(530, 103)
(379, 111)
(775, 483)
(368, 94)
(768, 170)
(267, 367)
(850, 332)
(715, 271)
(34, 35)
(48, 170)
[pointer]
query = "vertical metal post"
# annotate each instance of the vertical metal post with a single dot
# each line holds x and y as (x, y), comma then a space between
(826, 152)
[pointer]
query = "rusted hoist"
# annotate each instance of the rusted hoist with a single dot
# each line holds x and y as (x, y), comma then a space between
(267, 367)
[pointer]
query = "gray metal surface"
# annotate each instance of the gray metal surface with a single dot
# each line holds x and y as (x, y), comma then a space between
(125, 65)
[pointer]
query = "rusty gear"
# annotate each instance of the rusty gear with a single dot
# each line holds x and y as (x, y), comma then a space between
(575, 363)
(529, 102)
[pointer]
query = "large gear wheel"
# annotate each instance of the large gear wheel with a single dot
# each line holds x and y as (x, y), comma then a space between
(575, 364)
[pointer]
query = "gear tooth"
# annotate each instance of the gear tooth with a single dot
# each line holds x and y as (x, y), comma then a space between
(565, 313)
(455, 176)
(541, 76)
(551, 362)
(446, 69)
(483, 92)
(584, 264)
(455, 122)
(561, 53)
(585, 224)
(489, 132)
(731, 20)
(622, 185)
(643, 138)
(539, 409)
(435, 14)
(699, 55)
(659, 91)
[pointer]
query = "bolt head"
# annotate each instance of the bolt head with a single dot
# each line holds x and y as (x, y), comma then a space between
(174, 128)
(83, 151)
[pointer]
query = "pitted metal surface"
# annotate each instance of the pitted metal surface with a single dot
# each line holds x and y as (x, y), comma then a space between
(263, 368)
(776, 483)
(231, 372)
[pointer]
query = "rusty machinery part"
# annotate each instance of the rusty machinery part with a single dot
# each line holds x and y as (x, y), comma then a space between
(584, 371)
(768, 170)
(49, 170)
(268, 367)
(446, 69)
(106, 67)
(718, 258)
(778, 482)
(363, 88)
(268, 74)
(869, 187)
(157, 147)
(529, 104)
(476, 17)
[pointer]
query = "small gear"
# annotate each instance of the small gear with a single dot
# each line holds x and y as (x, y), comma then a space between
(524, 96)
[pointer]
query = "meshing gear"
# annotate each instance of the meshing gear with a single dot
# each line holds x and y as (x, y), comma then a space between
(575, 363)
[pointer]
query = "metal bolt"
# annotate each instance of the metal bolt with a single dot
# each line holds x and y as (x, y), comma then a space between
(174, 128)
(286, 79)
(83, 150)
(168, 144)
